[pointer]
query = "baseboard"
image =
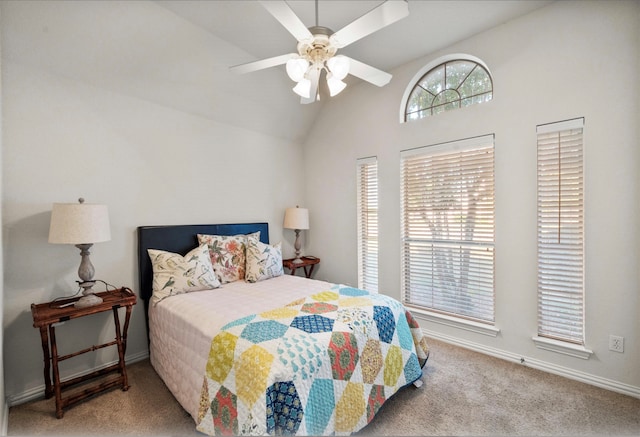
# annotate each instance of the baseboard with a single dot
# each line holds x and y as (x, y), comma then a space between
(4, 426)
(38, 392)
(566, 372)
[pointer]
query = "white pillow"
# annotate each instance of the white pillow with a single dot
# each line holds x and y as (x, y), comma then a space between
(263, 261)
(176, 274)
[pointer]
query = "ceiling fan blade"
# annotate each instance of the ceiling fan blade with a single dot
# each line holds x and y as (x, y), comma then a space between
(387, 13)
(262, 64)
(368, 73)
(283, 13)
(314, 77)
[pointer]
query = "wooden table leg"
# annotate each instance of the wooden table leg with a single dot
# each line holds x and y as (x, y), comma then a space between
(48, 388)
(310, 272)
(56, 373)
(125, 329)
(121, 366)
(124, 345)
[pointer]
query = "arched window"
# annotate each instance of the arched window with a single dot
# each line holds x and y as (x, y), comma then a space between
(454, 82)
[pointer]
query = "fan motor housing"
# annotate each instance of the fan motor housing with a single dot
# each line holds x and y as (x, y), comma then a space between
(319, 48)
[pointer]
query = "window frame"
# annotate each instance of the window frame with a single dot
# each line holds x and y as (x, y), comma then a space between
(368, 227)
(467, 146)
(558, 276)
(430, 66)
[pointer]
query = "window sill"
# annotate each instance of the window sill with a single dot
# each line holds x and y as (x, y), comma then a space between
(561, 347)
(467, 325)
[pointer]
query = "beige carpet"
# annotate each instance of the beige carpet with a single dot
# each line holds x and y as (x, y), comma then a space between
(465, 393)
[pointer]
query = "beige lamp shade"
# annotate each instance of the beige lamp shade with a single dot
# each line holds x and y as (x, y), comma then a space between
(296, 218)
(79, 223)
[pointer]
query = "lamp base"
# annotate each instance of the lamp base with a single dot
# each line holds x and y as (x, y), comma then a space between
(88, 300)
(297, 261)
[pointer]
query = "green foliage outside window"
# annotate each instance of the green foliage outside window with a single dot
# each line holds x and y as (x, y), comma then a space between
(450, 85)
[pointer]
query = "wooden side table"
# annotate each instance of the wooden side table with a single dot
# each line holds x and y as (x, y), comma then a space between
(46, 315)
(308, 264)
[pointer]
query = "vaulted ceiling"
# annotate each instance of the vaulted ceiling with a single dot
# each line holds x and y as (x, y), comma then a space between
(177, 53)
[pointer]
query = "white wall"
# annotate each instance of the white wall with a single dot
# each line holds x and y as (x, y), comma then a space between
(566, 60)
(4, 410)
(151, 164)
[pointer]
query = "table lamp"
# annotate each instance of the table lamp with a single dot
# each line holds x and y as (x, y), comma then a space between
(296, 219)
(81, 224)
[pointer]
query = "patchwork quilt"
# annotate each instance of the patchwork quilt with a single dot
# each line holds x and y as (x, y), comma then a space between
(321, 365)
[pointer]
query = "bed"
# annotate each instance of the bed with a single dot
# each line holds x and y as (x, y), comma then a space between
(280, 355)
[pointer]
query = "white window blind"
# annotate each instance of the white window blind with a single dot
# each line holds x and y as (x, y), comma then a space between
(367, 175)
(448, 228)
(561, 231)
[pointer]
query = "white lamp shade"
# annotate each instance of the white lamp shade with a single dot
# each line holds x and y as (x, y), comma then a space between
(335, 85)
(79, 223)
(339, 66)
(296, 68)
(296, 218)
(303, 88)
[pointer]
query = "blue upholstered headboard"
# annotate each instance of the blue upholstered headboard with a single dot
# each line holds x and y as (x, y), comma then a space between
(181, 239)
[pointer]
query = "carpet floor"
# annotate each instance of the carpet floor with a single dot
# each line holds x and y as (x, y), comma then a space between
(464, 393)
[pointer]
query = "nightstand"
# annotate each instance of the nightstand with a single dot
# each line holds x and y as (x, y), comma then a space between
(308, 264)
(47, 315)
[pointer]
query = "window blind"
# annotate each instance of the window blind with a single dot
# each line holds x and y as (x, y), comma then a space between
(367, 176)
(561, 231)
(448, 228)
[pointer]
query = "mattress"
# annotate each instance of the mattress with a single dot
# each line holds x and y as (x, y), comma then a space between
(181, 327)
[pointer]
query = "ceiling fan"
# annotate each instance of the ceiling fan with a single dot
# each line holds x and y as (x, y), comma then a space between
(317, 47)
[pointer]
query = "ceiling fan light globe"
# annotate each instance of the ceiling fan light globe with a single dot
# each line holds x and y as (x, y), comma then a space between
(339, 66)
(296, 69)
(335, 85)
(303, 88)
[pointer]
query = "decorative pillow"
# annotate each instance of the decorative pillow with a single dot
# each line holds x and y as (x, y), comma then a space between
(176, 274)
(228, 254)
(263, 261)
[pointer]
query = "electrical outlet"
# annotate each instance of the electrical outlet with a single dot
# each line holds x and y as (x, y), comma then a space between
(616, 343)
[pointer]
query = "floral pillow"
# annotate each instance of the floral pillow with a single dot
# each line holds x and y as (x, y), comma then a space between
(228, 254)
(176, 274)
(263, 261)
